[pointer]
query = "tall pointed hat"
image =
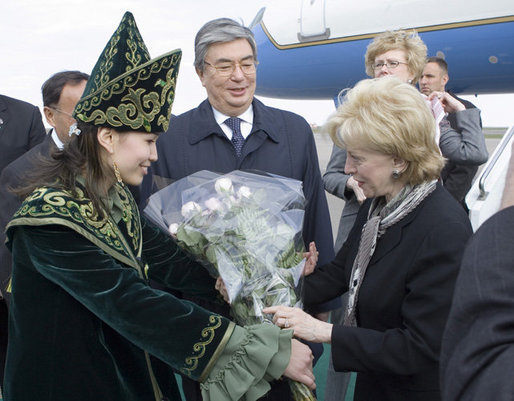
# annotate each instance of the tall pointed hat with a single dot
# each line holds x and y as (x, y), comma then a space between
(127, 90)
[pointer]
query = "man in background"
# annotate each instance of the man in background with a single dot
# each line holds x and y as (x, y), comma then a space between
(457, 178)
(232, 130)
(61, 92)
(477, 351)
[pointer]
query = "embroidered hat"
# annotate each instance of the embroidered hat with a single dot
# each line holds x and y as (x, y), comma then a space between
(127, 90)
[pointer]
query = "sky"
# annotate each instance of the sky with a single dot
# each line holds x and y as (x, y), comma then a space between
(41, 37)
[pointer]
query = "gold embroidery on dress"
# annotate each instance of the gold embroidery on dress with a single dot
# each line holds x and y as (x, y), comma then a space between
(76, 208)
(208, 334)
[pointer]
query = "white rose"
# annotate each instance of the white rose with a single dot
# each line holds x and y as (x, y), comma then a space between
(173, 228)
(244, 192)
(213, 204)
(223, 185)
(190, 208)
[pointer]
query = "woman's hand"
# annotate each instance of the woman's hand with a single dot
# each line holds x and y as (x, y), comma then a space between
(311, 259)
(450, 104)
(354, 186)
(220, 287)
(300, 365)
(304, 325)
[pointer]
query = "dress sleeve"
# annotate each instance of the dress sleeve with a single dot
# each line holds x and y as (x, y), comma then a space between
(172, 266)
(187, 337)
(253, 356)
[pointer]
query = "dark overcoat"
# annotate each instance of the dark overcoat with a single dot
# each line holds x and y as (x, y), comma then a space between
(403, 302)
(477, 358)
(21, 128)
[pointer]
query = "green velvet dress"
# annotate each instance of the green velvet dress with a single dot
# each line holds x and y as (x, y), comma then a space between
(85, 324)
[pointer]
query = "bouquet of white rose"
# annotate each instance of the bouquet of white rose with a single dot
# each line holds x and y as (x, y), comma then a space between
(245, 228)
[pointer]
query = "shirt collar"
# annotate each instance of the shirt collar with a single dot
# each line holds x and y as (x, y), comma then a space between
(247, 116)
(57, 141)
(204, 123)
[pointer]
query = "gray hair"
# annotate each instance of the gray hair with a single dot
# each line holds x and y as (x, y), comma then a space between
(221, 30)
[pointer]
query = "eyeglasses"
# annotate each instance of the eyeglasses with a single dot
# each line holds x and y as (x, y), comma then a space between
(61, 111)
(390, 64)
(227, 69)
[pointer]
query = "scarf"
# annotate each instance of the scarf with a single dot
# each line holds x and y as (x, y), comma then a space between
(381, 216)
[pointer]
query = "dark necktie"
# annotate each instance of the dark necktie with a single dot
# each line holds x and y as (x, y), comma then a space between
(234, 124)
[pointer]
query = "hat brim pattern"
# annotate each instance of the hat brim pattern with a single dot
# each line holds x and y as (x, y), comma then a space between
(138, 100)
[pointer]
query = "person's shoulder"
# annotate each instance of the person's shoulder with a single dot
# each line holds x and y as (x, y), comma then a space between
(502, 220)
(467, 104)
(440, 207)
(29, 158)
(11, 102)
(201, 112)
(274, 110)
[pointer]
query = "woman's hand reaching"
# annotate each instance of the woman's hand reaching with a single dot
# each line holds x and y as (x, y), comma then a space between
(304, 325)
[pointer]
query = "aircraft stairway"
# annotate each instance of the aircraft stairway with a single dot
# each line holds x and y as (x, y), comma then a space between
(484, 197)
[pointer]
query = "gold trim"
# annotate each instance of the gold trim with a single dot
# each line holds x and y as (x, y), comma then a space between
(199, 348)
(428, 28)
(34, 221)
(156, 389)
(57, 206)
(218, 352)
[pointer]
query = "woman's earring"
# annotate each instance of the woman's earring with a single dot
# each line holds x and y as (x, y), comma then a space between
(117, 172)
(396, 174)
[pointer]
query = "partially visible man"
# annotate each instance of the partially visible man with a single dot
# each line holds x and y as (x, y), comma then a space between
(61, 92)
(21, 128)
(232, 130)
(457, 178)
(477, 352)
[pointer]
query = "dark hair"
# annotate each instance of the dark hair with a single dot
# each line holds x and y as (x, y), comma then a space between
(52, 87)
(221, 30)
(81, 153)
(441, 62)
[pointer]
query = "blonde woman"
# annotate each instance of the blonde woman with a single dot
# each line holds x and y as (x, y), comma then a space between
(401, 259)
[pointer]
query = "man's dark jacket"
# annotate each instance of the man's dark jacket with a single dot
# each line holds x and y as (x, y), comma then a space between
(21, 128)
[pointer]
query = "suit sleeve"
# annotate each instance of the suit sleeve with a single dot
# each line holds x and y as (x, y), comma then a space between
(317, 225)
(37, 129)
(335, 178)
(414, 345)
(466, 144)
(477, 358)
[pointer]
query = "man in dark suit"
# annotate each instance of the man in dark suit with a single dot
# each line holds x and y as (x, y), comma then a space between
(61, 92)
(21, 128)
(477, 355)
(231, 130)
(457, 178)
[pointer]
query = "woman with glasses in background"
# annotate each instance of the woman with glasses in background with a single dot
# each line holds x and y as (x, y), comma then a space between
(401, 54)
